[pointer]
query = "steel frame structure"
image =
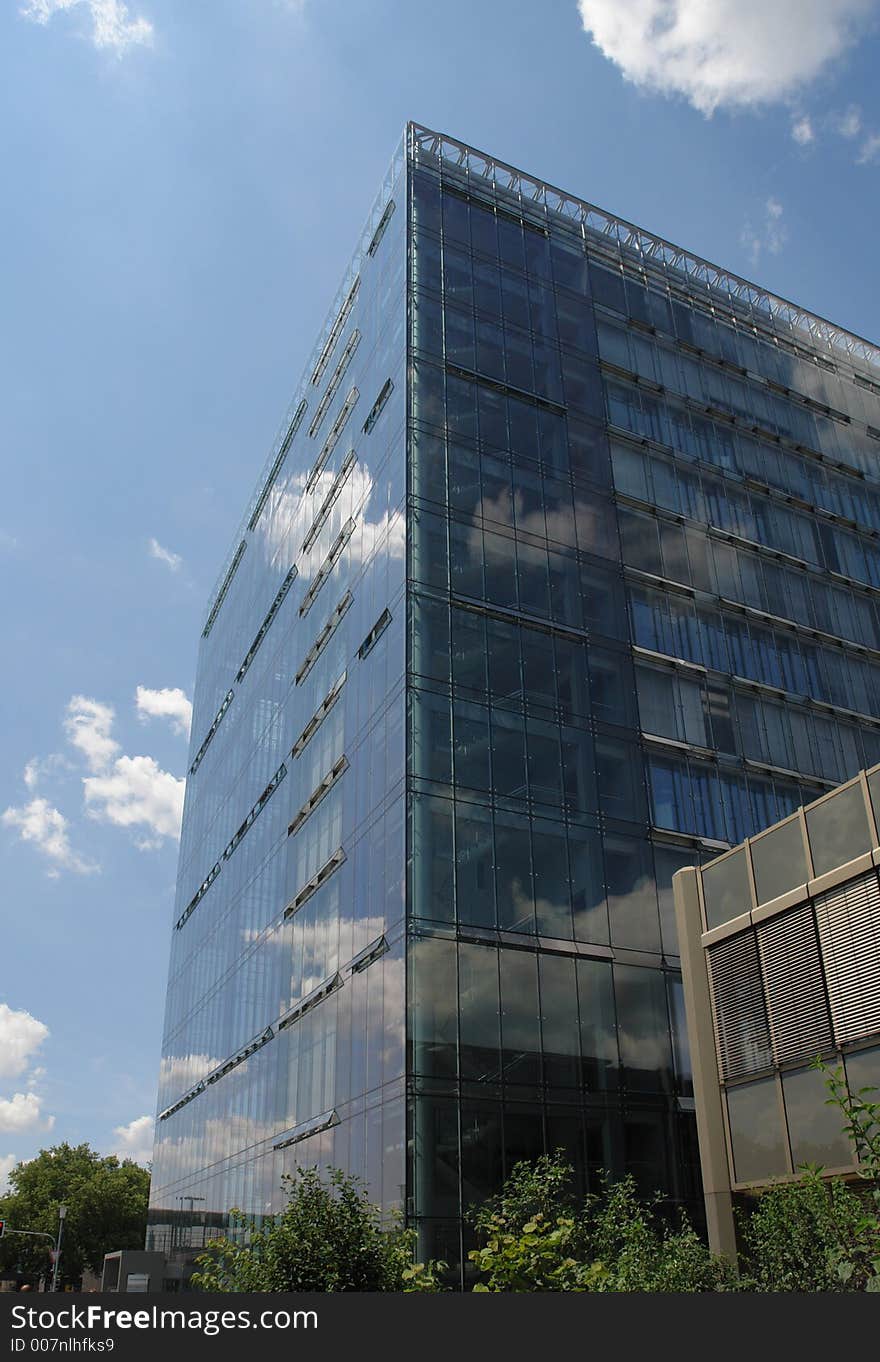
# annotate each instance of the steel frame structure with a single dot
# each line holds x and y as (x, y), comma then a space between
(425, 143)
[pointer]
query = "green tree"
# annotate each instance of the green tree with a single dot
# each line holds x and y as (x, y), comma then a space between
(106, 1209)
(329, 1237)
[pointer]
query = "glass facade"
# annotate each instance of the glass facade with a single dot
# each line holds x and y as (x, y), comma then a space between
(563, 575)
(284, 1033)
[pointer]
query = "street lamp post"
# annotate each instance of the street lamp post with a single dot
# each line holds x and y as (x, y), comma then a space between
(62, 1212)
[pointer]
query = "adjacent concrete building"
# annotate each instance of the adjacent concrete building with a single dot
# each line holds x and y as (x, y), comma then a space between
(780, 953)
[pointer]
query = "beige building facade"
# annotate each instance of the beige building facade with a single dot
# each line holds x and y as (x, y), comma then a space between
(780, 953)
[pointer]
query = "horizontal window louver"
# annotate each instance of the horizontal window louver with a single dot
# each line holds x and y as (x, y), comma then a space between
(800, 1023)
(335, 332)
(742, 1034)
(848, 919)
(324, 637)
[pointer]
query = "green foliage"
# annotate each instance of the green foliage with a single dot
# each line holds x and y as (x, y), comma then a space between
(642, 1251)
(532, 1189)
(329, 1237)
(106, 1209)
(424, 1276)
(861, 1122)
(821, 1234)
(536, 1238)
(539, 1257)
(810, 1235)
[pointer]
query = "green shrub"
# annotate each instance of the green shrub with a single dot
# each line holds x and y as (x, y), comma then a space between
(329, 1237)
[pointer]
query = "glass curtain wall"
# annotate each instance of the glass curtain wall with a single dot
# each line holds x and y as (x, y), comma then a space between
(562, 573)
(284, 1031)
(542, 1014)
(643, 603)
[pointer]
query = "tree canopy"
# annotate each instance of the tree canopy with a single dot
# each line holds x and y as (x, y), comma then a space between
(106, 1209)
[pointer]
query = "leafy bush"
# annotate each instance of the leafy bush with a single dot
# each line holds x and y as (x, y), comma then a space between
(810, 1235)
(536, 1238)
(328, 1238)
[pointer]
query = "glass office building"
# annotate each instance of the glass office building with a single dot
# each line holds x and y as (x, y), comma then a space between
(563, 573)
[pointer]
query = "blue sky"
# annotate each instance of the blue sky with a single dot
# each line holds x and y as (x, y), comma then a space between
(184, 182)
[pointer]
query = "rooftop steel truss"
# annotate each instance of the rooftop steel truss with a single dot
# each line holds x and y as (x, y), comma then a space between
(436, 146)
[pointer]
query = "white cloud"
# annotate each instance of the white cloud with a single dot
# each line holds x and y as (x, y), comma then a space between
(171, 704)
(770, 237)
(23, 1112)
(136, 792)
(802, 131)
(177, 1073)
(293, 513)
(7, 1163)
(130, 792)
(870, 150)
(171, 560)
(38, 767)
(849, 124)
(21, 1035)
(8, 542)
(724, 53)
(88, 726)
(135, 1140)
(113, 27)
(46, 827)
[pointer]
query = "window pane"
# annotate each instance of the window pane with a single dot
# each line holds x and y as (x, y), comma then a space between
(838, 830)
(471, 734)
(644, 1028)
(587, 886)
(726, 891)
(756, 1131)
(779, 861)
(815, 1130)
(657, 702)
(436, 1157)
(520, 1039)
(597, 1025)
(632, 897)
(479, 1020)
(620, 780)
(550, 868)
(475, 889)
(482, 1168)
(432, 880)
(559, 1021)
(505, 681)
(468, 651)
(434, 1022)
(542, 741)
(432, 737)
(513, 873)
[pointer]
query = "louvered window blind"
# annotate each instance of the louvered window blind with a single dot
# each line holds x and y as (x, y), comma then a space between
(742, 1032)
(848, 919)
(800, 1023)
